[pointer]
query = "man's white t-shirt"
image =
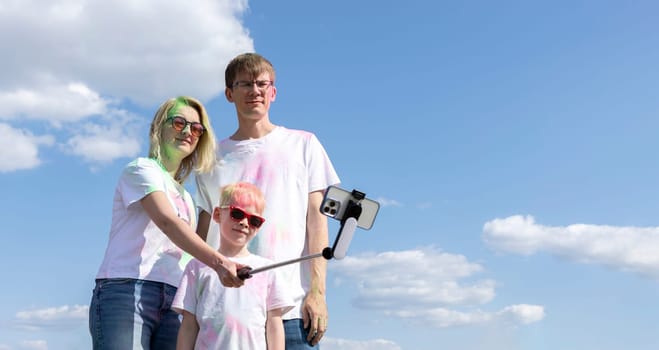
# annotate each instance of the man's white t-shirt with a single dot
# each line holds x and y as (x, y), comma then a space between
(286, 165)
(137, 248)
(231, 318)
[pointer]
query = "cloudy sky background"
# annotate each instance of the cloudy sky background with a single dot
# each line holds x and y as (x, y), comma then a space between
(512, 147)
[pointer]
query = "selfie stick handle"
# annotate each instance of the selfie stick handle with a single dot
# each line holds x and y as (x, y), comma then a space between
(345, 236)
(247, 272)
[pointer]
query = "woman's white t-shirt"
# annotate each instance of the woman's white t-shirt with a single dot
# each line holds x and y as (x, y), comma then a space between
(137, 248)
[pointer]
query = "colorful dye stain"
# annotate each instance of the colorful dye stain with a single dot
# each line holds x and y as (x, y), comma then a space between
(178, 103)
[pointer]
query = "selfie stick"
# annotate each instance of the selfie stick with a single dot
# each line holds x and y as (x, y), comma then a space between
(338, 250)
(247, 272)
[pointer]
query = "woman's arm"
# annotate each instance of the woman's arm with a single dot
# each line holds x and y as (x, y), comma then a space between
(160, 211)
(274, 330)
(187, 333)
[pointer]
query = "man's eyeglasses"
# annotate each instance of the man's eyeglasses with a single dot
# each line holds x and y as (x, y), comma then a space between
(179, 123)
(238, 214)
(247, 85)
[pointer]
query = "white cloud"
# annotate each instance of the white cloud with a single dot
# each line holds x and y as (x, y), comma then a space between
(20, 148)
(443, 317)
(53, 103)
(62, 317)
(522, 313)
(423, 286)
(145, 51)
(385, 202)
(346, 344)
(115, 134)
(34, 345)
(440, 317)
(102, 148)
(73, 61)
(625, 248)
(100, 142)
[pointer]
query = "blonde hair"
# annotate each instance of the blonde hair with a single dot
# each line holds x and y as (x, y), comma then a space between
(250, 63)
(202, 158)
(243, 192)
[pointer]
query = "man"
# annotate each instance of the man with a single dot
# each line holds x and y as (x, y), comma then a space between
(292, 169)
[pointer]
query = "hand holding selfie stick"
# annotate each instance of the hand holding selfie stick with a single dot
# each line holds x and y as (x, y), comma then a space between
(349, 222)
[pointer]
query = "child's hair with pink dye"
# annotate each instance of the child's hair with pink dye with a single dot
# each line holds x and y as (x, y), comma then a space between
(242, 193)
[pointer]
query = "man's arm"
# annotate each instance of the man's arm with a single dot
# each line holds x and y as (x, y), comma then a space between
(203, 201)
(203, 223)
(187, 333)
(274, 330)
(314, 309)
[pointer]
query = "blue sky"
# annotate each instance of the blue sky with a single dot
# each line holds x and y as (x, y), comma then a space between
(512, 146)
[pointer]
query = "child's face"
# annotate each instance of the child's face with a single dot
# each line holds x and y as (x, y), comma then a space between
(238, 223)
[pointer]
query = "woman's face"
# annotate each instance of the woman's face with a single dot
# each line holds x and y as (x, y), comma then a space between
(177, 144)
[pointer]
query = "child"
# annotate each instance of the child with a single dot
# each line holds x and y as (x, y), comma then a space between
(215, 317)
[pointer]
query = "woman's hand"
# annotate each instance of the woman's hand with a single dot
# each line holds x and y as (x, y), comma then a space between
(227, 272)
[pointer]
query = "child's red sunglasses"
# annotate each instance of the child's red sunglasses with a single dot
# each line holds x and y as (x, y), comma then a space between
(239, 214)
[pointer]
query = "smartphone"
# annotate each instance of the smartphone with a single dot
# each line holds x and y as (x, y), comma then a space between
(337, 200)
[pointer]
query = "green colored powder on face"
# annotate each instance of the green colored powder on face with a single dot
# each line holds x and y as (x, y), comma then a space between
(180, 102)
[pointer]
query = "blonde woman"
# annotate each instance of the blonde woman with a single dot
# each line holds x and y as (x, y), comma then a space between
(153, 223)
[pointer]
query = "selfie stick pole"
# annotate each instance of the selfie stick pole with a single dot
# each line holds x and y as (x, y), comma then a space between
(247, 272)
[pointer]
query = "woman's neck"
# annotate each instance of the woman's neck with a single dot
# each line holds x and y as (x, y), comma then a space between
(170, 165)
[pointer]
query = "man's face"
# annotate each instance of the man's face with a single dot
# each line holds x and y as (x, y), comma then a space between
(253, 100)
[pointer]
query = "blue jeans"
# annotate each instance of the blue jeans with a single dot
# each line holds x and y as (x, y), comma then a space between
(296, 335)
(127, 313)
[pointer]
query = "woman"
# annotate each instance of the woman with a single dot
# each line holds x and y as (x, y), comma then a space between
(153, 222)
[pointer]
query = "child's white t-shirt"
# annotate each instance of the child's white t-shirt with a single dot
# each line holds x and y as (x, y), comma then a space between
(137, 248)
(231, 318)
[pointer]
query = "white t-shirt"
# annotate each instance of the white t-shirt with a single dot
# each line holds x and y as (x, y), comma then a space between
(137, 248)
(286, 165)
(231, 318)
